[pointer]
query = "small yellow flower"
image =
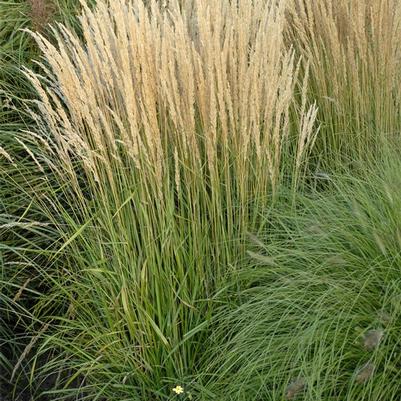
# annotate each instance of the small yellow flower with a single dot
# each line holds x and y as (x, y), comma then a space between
(178, 389)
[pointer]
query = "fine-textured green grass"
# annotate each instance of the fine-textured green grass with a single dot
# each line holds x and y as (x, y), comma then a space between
(14, 48)
(319, 290)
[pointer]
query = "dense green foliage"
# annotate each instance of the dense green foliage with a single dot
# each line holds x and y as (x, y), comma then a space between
(319, 298)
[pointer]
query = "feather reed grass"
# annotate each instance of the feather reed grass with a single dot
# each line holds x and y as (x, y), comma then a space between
(354, 58)
(162, 131)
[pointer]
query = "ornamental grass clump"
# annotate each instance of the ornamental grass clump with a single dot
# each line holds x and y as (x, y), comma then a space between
(161, 133)
(315, 314)
(354, 55)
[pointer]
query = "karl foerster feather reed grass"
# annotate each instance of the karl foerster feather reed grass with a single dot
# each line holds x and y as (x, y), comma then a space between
(165, 129)
(212, 87)
(354, 58)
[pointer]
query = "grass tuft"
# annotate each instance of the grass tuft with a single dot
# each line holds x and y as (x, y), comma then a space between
(320, 302)
(160, 135)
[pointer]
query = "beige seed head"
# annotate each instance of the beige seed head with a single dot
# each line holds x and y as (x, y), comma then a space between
(295, 388)
(372, 339)
(365, 373)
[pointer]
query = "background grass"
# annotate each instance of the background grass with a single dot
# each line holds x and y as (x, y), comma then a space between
(19, 238)
(354, 58)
